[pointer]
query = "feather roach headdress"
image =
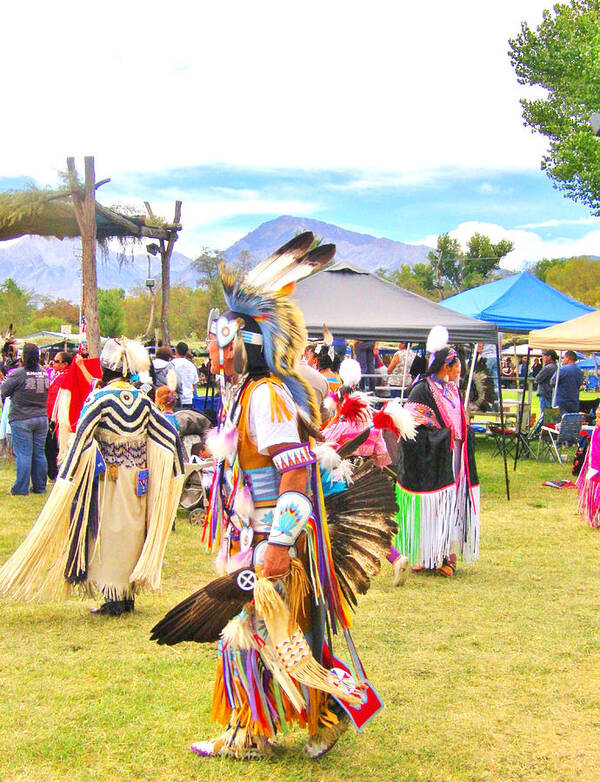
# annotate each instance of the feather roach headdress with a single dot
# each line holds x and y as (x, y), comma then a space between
(440, 352)
(326, 346)
(264, 317)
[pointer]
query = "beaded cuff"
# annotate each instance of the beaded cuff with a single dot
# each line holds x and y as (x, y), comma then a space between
(292, 512)
(294, 457)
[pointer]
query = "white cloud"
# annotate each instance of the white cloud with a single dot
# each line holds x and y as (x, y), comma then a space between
(262, 84)
(566, 221)
(529, 246)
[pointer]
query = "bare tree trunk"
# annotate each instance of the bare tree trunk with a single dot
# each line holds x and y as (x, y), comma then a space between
(165, 264)
(85, 212)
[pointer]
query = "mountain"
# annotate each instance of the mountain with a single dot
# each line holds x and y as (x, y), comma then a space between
(363, 250)
(50, 267)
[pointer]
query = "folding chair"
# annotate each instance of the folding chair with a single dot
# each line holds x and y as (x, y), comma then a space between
(566, 433)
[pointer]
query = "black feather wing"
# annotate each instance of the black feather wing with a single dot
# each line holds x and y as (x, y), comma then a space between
(202, 616)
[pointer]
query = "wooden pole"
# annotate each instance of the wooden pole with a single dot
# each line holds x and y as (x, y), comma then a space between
(85, 212)
(165, 263)
(148, 332)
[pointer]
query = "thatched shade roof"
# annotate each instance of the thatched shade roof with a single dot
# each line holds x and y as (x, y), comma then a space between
(51, 213)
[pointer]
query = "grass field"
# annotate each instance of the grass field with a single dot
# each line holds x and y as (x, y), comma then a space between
(493, 675)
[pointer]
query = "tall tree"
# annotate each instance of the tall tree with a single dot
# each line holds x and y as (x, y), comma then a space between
(16, 306)
(563, 57)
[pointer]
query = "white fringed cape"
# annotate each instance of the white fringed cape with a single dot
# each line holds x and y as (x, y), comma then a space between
(56, 541)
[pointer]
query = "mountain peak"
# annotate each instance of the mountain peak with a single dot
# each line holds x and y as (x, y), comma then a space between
(369, 252)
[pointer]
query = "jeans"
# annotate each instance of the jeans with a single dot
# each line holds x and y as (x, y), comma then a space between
(28, 440)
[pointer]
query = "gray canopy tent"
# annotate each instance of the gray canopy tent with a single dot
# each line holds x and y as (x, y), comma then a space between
(356, 304)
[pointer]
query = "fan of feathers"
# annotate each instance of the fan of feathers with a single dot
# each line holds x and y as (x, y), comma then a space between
(361, 527)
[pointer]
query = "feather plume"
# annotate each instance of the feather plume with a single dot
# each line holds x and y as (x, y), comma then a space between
(327, 336)
(344, 471)
(172, 380)
(243, 504)
(404, 422)
(437, 339)
(327, 457)
(222, 444)
(276, 264)
(355, 409)
(313, 261)
(350, 372)
(381, 420)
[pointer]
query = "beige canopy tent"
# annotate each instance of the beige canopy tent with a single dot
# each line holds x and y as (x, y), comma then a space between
(581, 333)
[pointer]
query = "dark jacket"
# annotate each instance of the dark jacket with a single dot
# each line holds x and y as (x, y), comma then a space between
(28, 391)
(543, 377)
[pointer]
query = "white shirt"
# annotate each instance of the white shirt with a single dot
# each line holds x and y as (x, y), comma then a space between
(264, 431)
(188, 377)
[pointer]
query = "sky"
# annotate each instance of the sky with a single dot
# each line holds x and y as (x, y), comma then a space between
(389, 118)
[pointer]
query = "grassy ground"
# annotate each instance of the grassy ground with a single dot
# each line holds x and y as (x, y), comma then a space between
(493, 675)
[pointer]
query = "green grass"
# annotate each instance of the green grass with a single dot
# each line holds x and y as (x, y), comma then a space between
(493, 675)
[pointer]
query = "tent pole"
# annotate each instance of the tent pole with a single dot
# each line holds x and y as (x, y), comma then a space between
(502, 424)
(471, 372)
(557, 376)
(408, 344)
(521, 408)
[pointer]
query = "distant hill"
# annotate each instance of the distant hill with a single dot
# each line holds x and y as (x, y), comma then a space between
(363, 250)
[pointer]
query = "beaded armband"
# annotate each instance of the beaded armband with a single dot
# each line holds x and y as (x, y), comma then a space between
(291, 513)
(294, 457)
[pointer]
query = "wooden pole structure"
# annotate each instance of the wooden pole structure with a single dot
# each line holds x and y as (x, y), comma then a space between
(84, 205)
(166, 251)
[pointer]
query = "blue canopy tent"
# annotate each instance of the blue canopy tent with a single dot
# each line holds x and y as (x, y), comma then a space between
(514, 304)
(518, 304)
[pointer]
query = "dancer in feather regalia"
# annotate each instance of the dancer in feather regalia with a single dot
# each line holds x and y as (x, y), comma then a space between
(288, 579)
(438, 487)
(106, 523)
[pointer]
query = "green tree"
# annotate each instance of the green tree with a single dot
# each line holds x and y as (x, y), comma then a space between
(563, 57)
(445, 262)
(541, 268)
(578, 277)
(16, 306)
(111, 311)
(481, 258)
(207, 264)
(58, 309)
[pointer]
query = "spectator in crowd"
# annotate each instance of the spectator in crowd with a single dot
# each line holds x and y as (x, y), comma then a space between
(60, 364)
(187, 377)
(400, 365)
(536, 367)
(27, 388)
(364, 355)
(568, 382)
(161, 362)
(522, 367)
(543, 377)
(165, 401)
(317, 382)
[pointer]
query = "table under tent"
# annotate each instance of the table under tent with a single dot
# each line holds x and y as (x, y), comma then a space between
(519, 304)
(356, 304)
